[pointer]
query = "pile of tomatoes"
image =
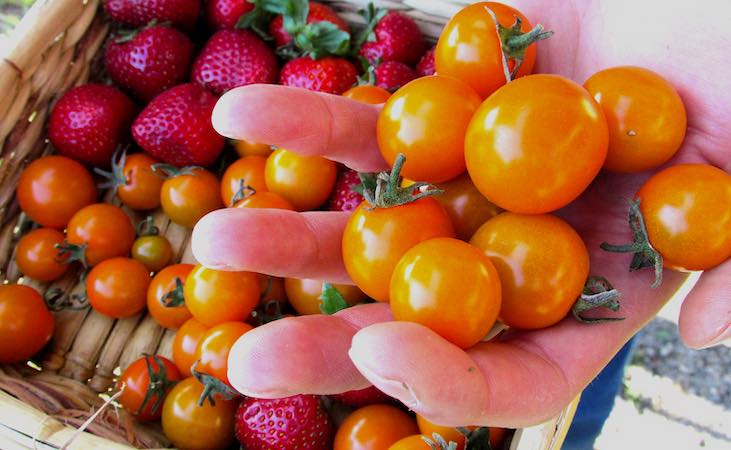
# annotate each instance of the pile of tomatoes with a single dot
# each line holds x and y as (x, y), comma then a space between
(454, 237)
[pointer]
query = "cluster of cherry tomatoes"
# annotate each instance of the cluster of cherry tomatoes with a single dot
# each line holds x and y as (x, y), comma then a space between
(443, 255)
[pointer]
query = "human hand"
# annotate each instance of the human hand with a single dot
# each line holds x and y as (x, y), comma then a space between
(523, 377)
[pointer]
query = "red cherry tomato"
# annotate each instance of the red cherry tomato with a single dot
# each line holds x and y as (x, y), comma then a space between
(26, 325)
(449, 286)
(246, 148)
(215, 296)
(374, 427)
(408, 122)
(470, 49)
(140, 188)
(264, 199)
(215, 345)
(249, 171)
(185, 344)
(53, 188)
(143, 394)
(536, 144)
(187, 197)
(304, 181)
(466, 206)
(367, 94)
(105, 229)
(117, 287)
(165, 301)
(645, 115)
(543, 265)
(305, 295)
(37, 256)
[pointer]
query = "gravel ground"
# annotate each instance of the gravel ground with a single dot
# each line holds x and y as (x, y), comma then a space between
(704, 373)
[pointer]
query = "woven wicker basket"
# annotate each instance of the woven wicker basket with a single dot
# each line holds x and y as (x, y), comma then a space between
(54, 48)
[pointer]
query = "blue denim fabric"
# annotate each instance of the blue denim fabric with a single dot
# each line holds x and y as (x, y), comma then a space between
(597, 402)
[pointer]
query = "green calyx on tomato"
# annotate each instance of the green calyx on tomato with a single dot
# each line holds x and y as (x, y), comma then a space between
(645, 254)
(598, 293)
(514, 42)
(212, 386)
(159, 385)
(245, 191)
(437, 442)
(477, 439)
(114, 178)
(332, 300)
(57, 300)
(166, 171)
(73, 252)
(147, 227)
(384, 190)
(174, 298)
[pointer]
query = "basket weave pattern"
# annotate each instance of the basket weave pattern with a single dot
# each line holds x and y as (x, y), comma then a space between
(54, 48)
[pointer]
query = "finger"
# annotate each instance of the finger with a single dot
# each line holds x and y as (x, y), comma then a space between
(705, 316)
(304, 122)
(519, 380)
(301, 355)
(273, 241)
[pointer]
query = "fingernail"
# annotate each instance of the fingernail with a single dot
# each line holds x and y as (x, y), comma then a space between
(222, 117)
(719, 334)
(395, 388)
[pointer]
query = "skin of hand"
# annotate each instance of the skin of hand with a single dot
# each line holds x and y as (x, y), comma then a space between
(524, 377)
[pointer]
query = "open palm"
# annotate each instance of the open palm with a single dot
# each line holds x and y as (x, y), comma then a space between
(524, 377)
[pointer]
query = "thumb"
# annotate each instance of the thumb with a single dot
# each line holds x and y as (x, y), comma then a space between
(705, 316)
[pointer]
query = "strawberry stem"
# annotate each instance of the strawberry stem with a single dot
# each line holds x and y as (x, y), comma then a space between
(645, 254)
(372, 16)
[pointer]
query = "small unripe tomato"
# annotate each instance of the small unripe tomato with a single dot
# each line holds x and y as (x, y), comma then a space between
(155, 252)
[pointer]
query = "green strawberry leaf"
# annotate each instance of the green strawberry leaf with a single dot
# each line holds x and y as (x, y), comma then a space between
(372, 16)
(332, 300)
(257, 20)
(320, 39)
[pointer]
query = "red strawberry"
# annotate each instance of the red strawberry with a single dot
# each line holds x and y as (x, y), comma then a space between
(149, 61)
(344, 198)
(397, 38)
(362, 397)
(298, 422)
(136, 13)
(318, 13)
(89, 122)
(175, 127)
(426, 64)
(332, 75)
(224, 14)
(233, 58)
(391, 75)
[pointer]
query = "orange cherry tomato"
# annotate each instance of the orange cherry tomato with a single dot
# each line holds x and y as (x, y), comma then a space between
(105, 229)
(249, 171)
(155, 252)
(264, 199)
(408, 122)
(215, 345)
(37, 256)
(687, 215)
(246, 148)
(467, 208)
(536, 144)
(193, 427)
(375, 239)
(165, 301)
(185, 344)
(451, 434)
(142, 186)
(26, 325)
(304, 181)
(53, 188)
(374, 427)
(117, 287)
(305, 295)
(272, 289)
(187, 197)
(469, 47)
(414, 442)
(543, 265)
(645, 115)
(367, 93)
(143, 395)
(214, 296)
(449, 286)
